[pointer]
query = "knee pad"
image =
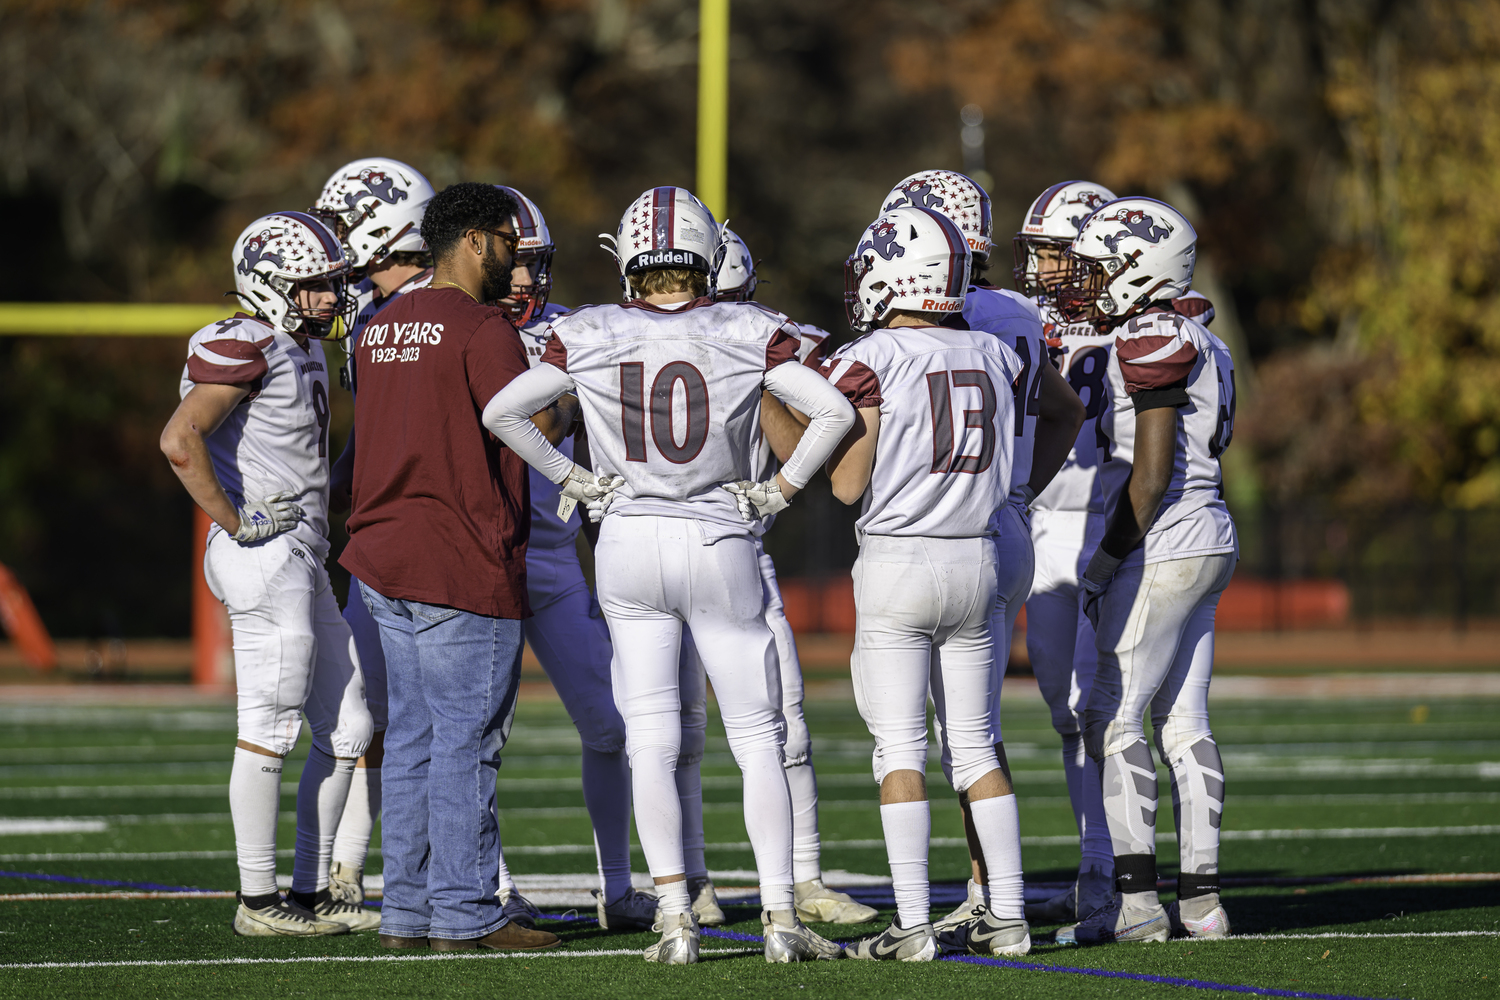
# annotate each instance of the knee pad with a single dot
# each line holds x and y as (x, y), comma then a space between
(1175, 738)
(971, 766)
(351, 737)
(694, 739)
(798, 739)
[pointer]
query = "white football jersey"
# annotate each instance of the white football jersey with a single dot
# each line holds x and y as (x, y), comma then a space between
(1081, 353)
(1013, 318)
(947, 427)
(1162, 357)
(671, 398)
(276, 440)
(548, 531)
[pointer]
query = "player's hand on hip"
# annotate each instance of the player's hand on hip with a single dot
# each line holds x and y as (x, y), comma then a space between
(758, 500)
(260, 519)
(596, 493)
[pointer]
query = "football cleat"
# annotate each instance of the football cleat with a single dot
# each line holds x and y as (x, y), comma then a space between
(346, 882)
(789, 940)
(1199, 917)
(1125, 918)
(971, 908)
(897, 943)
(283, 918)
(1059, 909)
(351, 915)
(679, 940)
(1093, 889)
(635, 910)
(988, 935)
(521, 911)
(706, 906)
(817, 902)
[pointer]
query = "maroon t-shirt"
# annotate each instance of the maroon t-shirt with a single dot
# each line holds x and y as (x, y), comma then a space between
(441, 509)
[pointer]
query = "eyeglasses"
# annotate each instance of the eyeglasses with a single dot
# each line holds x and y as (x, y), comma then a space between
(512, 240)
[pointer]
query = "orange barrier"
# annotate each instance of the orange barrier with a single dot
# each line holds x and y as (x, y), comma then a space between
(213, 649)
(826, 604)
(23, 624)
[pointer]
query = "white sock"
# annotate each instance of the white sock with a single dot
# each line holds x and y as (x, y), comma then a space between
(908, 832)
(997, 821)
(768, 821)
(807, 850)
(254, 798)
(351, 844)
(672, 898)
(690, 798)
(606, 792)
(321, 796)
(505, 881)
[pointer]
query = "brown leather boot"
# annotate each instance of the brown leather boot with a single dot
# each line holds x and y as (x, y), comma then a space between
(510, 937)
(392, 941)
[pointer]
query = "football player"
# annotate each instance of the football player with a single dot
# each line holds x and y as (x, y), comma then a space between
(1169, 548)
(250, 443)
(737, 282)
(565, 632)
(375, 207)
(670, 385)
(930, 458)
(1047, 417)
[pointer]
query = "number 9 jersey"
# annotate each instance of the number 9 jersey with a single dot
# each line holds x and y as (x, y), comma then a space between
(946, 437)
(276, 440)
(1162, 358)
(671, 398)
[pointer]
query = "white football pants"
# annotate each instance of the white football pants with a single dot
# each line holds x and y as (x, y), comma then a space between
(293, 652)
(657, 574)
(1156, 642)
(371, 655)
(1060, 642)
(922, 627)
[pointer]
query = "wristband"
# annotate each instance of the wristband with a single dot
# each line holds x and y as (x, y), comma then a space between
(1101, 567)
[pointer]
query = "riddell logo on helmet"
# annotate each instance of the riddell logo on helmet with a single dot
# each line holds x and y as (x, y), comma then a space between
(934, 306)
(665, 258)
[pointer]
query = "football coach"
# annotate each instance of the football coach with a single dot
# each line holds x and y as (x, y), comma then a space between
(437, 539)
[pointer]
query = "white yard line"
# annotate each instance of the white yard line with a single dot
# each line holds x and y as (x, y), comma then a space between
(449, 956)
(1356, 935)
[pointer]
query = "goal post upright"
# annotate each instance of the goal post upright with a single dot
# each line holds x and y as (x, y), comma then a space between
(713, 106)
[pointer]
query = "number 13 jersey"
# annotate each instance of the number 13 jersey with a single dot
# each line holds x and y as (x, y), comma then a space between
(276, 439)
(671, 398)
(944, 448)
(1163, 359)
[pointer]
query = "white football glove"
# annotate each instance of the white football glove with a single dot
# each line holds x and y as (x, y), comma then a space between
(594, 492)
(263, 518)
(757, 500)
(1095, 580)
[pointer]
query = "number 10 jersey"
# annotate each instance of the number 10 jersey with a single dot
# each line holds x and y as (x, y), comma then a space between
(671, 398)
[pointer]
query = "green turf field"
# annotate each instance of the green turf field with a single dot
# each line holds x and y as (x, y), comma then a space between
(1317, 791)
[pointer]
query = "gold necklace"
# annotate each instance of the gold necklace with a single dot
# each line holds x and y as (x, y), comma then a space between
(450, 284)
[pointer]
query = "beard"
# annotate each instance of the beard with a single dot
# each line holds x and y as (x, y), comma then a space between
(495, 283)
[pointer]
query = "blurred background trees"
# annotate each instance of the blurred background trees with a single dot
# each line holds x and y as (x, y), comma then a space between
(1338, 158)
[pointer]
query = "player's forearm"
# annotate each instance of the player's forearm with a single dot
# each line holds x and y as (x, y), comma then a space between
(508, 417)
(1150, 476)
(190, 460)
(1062, 414)
(556, 421)
(782, 430)
(830, 415)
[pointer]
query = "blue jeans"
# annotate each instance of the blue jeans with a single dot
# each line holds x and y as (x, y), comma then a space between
(451, 679)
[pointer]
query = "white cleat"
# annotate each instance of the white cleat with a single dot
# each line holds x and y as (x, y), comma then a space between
(817, 902)
(970, 909)
(1126, 918)
(898, 944)
(351, 915)
(282, 919)
(1199, 917)
(789, 940)
(679, 940)
(635, 910)
(521, 911)
(988, 935)
(706, 905)
(346, 882)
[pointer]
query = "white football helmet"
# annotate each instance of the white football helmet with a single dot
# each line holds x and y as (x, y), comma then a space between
(666, 227)
(375, 207)
(956, 196)
(1129, 253)
(909, 258)
(534, 252)
(736, 280)
(1051, 223)
(274, 255)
